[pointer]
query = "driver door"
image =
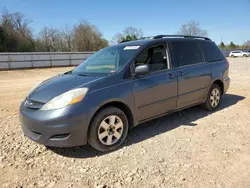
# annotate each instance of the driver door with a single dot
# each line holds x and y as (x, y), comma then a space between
(156, 93)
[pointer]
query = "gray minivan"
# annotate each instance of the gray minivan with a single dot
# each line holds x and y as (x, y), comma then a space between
(122, 86)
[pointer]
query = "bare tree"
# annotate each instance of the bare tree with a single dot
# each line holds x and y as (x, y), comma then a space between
(18, 22)
(67, 35)
(16, 36)
(50, 39)
(21, 24)
(132, 31)
(192, 28)
(18, 33)
(87, 37)
(128, 33)
(247, 43)
(83, 37)
(117, 38)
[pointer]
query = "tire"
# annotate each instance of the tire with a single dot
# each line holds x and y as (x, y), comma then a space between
(232, 55)
(108, 129)
(244, 55)
(213, 98)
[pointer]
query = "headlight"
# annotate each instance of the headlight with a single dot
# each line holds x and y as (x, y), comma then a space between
(70, 97)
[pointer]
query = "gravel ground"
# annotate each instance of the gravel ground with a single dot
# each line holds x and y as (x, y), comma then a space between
(192, 148)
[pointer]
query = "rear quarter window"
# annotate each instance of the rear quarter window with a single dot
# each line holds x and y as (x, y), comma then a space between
(187, 53)
(211, 51)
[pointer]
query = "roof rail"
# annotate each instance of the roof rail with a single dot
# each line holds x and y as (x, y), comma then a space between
(143, 38)
(184, 36)
(149, 37)
(123, 41)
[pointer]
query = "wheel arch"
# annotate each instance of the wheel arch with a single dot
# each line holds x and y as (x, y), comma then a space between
(118, 104)
(221, 84)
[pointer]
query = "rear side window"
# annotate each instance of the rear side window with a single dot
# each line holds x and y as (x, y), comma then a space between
(187, 53)
(211, 51)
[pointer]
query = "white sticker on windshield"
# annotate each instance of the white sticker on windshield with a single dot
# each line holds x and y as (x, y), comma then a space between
(131, 47)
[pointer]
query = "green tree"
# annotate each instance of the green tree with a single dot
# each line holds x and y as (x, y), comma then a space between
(232, 45)
(129, 38)
(222, 45)
(3, 36)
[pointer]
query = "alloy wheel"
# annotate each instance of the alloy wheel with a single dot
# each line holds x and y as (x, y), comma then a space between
(110, 130)
(215, 97)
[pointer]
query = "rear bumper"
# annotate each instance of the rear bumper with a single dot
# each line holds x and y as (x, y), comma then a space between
(57, 128)
(226, 84)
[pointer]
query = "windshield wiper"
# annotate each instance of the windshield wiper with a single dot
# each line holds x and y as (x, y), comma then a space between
(81, 74)
(76, 73)
(69, 72)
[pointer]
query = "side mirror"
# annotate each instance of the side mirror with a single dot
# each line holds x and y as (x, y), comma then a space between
(141, 70)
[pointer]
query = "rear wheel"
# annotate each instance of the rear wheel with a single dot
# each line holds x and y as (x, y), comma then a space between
(108, 129)
(213, 98)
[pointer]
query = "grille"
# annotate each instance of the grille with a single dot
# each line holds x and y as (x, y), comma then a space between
(33, 104)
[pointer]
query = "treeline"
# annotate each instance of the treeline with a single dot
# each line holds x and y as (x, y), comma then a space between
(233, 46)
(16, 36)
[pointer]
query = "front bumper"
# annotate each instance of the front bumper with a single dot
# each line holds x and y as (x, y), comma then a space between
(64, 127)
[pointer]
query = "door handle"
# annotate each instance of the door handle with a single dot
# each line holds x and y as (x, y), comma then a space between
(180, 73)
(172, 75)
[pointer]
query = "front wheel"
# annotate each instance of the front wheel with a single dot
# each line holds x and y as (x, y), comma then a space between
(244, 55)
(108, 129)
(213, 98)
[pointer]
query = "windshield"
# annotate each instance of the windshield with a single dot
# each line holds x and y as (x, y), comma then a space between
(107, 60)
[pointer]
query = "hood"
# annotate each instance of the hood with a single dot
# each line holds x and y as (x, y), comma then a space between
(57, 85)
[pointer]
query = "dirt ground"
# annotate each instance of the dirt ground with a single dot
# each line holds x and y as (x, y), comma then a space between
(193, 148)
